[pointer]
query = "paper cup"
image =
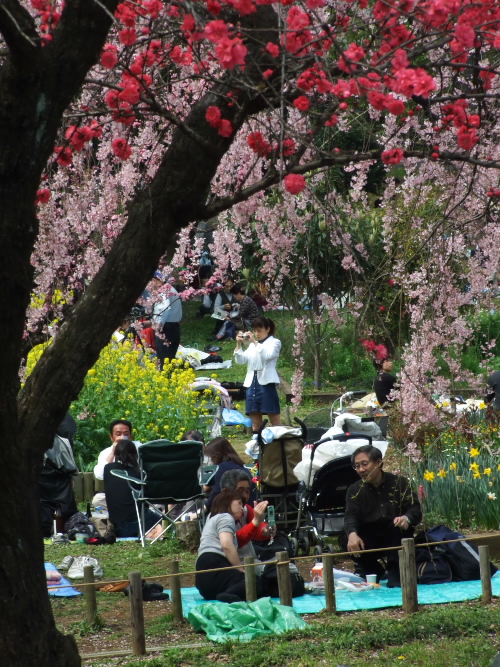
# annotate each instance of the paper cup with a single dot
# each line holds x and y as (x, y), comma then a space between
(371, 578)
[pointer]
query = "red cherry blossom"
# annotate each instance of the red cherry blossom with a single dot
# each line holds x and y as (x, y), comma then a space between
(273, 49)
(294, 183)
(216, 30)
(301, 103)
(231, 52)
(225, 128)
(213, 115)
(258, 144)
(64, 155)
(121, 148)
(42, 196)
(393, 156)
(127, 36)
(109, 56)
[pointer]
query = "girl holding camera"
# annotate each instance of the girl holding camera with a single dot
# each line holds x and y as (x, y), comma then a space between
(260, 350)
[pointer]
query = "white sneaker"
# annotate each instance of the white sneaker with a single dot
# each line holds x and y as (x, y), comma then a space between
(76, 569)
(65, 563)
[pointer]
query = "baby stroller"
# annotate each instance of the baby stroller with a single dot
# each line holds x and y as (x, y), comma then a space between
(322, 495)
(278, 484)
(317, 423)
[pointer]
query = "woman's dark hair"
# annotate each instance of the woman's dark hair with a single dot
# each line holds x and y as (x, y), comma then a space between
(222, 502)
(237, 289)
(194, 435)
(126, 453)
(220, 450)
(264, 323)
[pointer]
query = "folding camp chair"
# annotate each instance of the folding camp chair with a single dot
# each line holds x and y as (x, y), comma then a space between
(170, 473)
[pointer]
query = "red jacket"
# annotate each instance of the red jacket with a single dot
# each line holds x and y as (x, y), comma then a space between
(250, 531)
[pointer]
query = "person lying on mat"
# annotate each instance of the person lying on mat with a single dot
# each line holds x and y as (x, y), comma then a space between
(381, 510)
(250, 526)
(218, 549)
(121, 505)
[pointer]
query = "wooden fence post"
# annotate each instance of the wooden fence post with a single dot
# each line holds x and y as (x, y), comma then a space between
(484, 565)
(137, 614)
(89, 594)
(408, 572)
(250, 579)
(331, 607)
(175, 588)
(284, 581)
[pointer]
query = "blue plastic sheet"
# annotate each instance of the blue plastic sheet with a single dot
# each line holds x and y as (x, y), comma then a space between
(66, 592)
(456, 591)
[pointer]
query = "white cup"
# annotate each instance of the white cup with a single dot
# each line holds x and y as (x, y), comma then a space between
(371, 578)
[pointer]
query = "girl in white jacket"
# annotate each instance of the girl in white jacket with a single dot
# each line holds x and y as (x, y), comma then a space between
(261, 354)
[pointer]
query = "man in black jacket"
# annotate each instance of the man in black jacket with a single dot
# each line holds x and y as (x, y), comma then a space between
(381, 510)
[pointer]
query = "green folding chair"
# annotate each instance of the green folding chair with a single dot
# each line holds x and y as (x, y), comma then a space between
(171, 473)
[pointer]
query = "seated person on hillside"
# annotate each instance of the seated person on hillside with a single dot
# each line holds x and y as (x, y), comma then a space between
(381, 510)
(222, 454)
(250, 526)
(121, 506)
(247, 312)
(218, 549)
(119, 429)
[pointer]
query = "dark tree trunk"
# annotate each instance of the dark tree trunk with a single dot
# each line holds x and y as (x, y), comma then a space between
(36, 86)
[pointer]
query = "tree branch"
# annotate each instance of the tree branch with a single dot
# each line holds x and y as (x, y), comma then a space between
(18, 30)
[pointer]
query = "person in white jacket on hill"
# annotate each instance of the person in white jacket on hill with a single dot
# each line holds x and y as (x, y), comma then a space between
(261, 354)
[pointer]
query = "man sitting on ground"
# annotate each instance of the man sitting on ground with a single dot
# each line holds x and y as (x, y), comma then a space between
(247, 311)
(381, 510)
(119, 429)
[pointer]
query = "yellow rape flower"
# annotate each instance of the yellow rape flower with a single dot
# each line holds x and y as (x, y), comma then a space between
(429, 476)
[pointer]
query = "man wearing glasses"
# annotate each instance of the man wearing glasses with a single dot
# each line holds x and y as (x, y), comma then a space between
(381, 510)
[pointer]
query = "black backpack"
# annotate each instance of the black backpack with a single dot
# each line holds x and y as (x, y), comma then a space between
(265, 551)
(270, 581)
(462, 557)
(432, 566)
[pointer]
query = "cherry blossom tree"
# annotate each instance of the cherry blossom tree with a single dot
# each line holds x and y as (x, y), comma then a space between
(124, 123)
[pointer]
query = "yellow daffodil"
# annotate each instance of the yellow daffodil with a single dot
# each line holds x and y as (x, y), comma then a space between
(453, 466)
(474, 452)
(487, 471)
(477, 475)
(474, 467)
(442, 473)
(429, 476)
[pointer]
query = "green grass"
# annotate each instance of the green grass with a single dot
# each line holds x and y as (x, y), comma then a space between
(462, 635)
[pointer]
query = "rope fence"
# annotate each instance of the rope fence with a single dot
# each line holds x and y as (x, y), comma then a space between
(407, 566)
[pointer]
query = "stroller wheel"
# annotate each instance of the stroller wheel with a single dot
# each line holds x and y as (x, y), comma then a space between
(318, 551)
(295, 546)
(305, 546)
(331, 549)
